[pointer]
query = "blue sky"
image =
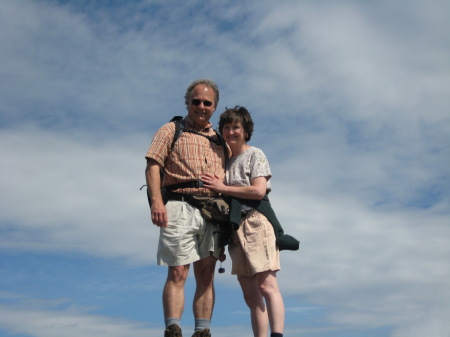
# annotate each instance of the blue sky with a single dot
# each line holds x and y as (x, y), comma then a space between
(351, 106)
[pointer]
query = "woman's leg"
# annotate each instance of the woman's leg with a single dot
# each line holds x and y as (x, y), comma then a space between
(255, 301)
(268, 287)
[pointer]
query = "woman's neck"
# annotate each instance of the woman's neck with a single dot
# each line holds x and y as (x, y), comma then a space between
(238, 149)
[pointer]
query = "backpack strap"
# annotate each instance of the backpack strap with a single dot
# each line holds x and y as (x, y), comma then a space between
(187, 184)
(179, 128)
(221, 142)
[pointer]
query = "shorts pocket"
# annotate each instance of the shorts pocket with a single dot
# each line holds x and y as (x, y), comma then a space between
(253, 226)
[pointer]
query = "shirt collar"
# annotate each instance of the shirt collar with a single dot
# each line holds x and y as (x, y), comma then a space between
(190, 124)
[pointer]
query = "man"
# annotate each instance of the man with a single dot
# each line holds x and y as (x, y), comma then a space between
(185, 237)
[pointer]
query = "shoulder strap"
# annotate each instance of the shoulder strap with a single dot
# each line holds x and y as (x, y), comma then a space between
(223, 144)
(179, 128)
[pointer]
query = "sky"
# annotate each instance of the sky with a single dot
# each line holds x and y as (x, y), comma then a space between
(351, 103)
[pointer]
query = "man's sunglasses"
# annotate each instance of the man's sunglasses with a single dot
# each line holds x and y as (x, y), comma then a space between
(198, 102)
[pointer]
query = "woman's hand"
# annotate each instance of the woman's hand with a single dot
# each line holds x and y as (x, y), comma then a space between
(213, 182)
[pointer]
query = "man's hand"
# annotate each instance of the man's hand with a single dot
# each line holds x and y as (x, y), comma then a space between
(159, 214)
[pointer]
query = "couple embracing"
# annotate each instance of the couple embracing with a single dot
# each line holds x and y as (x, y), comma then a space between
(196, 162)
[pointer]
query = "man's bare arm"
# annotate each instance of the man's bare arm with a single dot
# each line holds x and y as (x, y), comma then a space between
(153, 178)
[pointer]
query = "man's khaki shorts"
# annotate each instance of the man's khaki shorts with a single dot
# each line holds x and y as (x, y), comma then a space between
(188, 237)
(254, 247)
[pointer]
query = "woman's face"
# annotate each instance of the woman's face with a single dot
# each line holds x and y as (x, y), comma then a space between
(234, 134)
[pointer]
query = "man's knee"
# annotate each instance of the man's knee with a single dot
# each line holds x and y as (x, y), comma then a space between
(204, 270)
(177, 274)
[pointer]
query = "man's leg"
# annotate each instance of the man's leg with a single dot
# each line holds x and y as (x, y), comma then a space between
(173, 293)
(204, 294)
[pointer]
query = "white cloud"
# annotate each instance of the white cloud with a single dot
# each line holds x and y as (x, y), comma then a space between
(75, 194)
(376, 267)
(42, 321)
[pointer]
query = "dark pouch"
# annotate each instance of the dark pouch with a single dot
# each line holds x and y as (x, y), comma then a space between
(287, 242)
(215, 209)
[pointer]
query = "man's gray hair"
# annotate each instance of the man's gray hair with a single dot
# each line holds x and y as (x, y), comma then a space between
(207, 82)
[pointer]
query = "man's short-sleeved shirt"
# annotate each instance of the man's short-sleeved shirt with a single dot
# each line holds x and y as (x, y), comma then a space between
(192, 156)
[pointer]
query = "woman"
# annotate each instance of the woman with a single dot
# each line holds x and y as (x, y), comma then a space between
(254, 253)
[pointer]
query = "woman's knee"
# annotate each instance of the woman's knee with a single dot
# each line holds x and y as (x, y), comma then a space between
(251, 293)
(254, 300)
(268, 285)
(267, 290)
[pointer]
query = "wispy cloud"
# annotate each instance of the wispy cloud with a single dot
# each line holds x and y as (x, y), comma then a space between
(79, 194)
(44, 320)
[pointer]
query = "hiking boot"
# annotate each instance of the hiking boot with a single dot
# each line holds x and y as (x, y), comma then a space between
(202, 333)
(173, 330)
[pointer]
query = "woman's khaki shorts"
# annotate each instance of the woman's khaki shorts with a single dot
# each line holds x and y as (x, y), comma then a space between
(254, 248)
(187, 238)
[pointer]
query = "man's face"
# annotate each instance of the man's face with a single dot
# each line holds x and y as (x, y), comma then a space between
(201, 105)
